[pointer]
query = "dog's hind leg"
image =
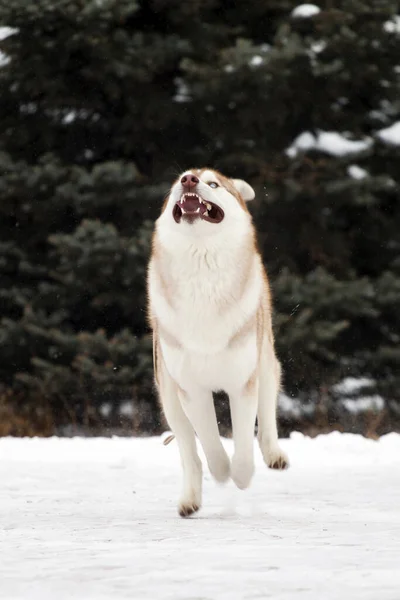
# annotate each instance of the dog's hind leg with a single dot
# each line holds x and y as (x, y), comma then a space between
(190, 500)
(269, 377)
(243, 413)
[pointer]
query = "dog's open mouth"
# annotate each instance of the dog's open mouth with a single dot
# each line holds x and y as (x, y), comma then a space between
(191, 206)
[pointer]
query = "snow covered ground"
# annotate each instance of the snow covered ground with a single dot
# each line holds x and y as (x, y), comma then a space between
(96, 519)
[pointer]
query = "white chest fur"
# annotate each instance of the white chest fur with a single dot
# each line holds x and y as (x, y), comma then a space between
(201, 295)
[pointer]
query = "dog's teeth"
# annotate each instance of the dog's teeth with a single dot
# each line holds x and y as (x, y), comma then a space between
(205, 213)
(201, 201)
(208, 206)
(198, 210)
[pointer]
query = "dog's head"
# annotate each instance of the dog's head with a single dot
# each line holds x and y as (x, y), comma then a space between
(203, 200)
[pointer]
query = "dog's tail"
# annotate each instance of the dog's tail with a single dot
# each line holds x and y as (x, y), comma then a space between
(168, 439)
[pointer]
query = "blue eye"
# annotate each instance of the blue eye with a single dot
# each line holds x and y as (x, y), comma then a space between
(212, 184)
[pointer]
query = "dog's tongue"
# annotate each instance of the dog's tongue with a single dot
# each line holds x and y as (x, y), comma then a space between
(190, 204)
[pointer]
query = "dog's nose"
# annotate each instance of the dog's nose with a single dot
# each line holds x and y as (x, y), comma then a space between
(189, 180)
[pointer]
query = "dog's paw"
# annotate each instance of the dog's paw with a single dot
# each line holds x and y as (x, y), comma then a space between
(187, 508)
(276, 459)
(242, 472)
(220, 467)
(190, 500)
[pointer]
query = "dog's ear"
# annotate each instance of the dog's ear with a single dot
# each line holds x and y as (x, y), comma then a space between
(244, 189)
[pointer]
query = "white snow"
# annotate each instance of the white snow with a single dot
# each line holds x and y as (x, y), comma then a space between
(105, 409)
(126, 409)
(5, 32)
(95, 519)
(390, 135)
(351, 385)
(182, 91)
(336, 144)
(305, 141)
(69, 117)
(256, 60)
(29, 108)
(305, 10)
(393, 25)
(293, 407)
(331, 142)
(364, 404)
(318, 46)
(357, 172)
(4, 59)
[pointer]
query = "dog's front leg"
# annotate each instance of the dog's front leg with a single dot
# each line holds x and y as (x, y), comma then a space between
(243, 414)
(190, 500)
(199, 407)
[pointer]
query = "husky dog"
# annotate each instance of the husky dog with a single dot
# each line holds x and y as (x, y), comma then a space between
(210, 312)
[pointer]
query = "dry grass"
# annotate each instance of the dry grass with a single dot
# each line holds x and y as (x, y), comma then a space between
(31, 417)
(20, 421)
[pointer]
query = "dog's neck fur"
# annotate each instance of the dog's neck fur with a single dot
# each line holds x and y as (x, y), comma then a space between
(216, 251)
(216, 264)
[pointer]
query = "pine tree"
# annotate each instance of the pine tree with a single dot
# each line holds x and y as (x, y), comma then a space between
(300, 113)
(103, 103)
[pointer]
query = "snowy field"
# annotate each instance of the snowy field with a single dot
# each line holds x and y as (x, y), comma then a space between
(96, 519)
